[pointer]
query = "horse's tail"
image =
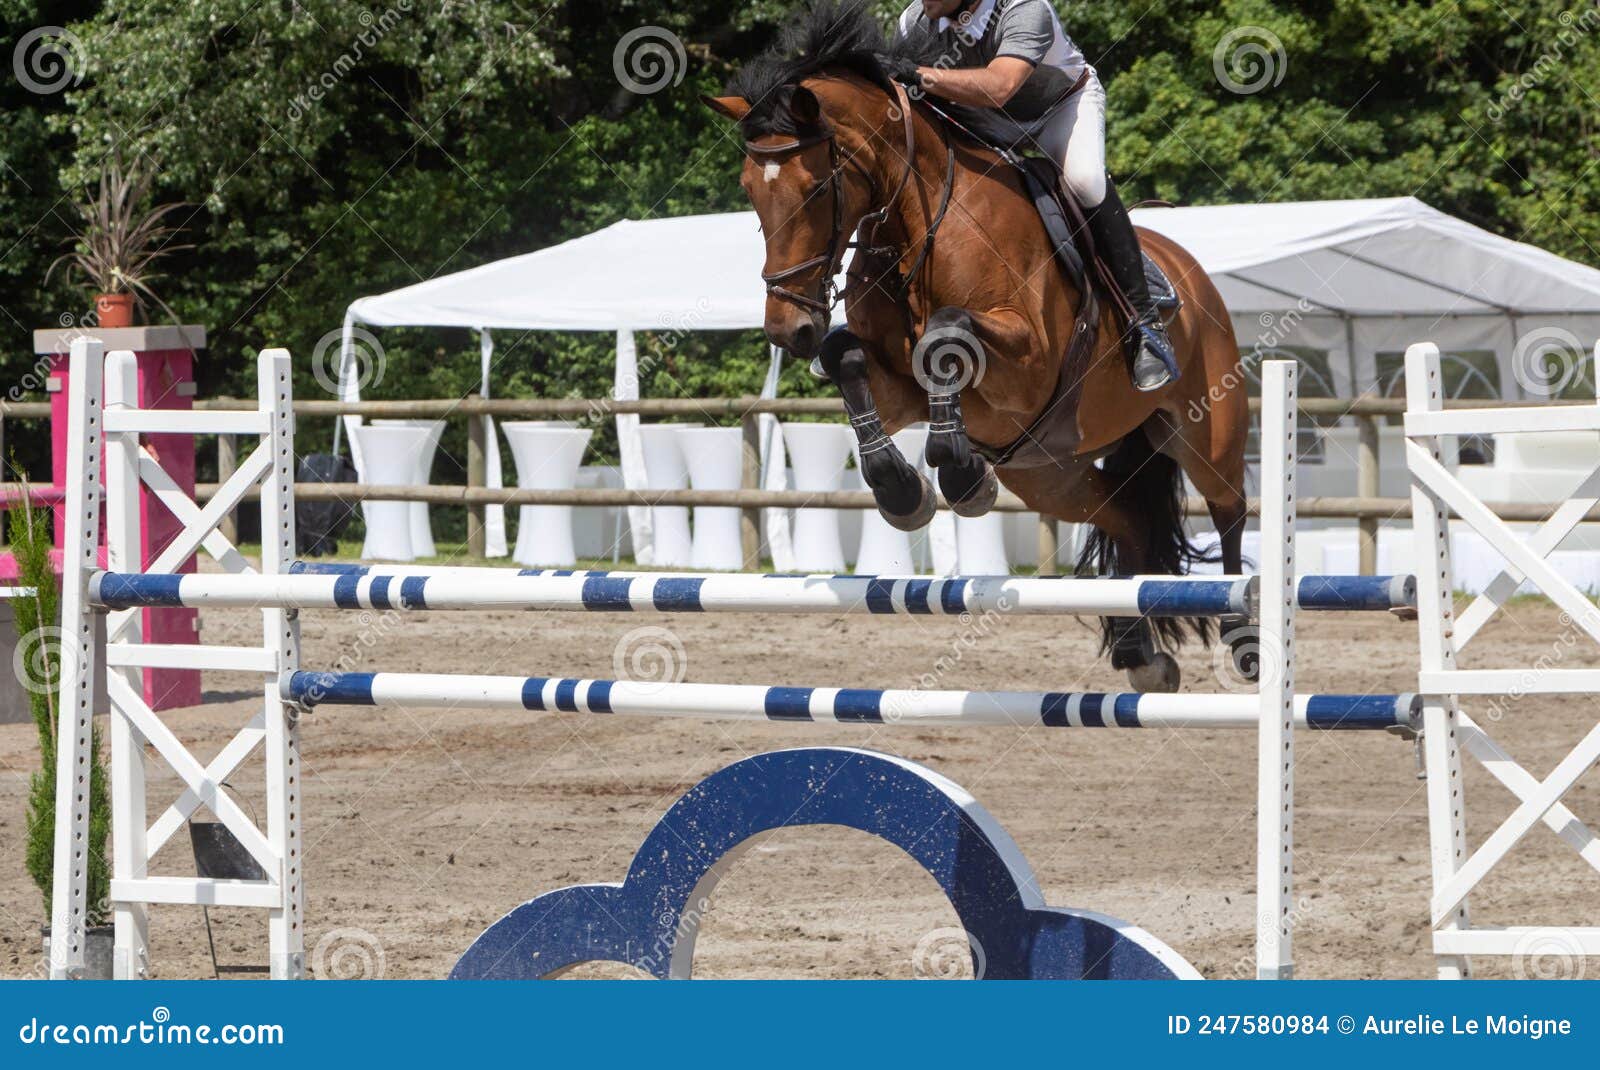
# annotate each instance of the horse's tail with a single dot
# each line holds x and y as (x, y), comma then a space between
(1151, 485)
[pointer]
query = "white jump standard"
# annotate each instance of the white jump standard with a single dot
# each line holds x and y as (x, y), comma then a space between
(281, 589)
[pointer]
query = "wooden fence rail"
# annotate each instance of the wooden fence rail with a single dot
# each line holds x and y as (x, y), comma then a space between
(1365, 507)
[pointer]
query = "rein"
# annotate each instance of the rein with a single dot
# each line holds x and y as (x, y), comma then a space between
(837, 246)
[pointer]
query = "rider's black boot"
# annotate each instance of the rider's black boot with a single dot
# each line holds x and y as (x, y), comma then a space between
(1152, 362)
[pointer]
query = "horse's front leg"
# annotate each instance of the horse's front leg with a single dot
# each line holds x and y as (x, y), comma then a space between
(948, 358)
(904, 495)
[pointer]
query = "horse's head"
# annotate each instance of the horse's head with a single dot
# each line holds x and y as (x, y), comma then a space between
(809, 190)
(807, 112)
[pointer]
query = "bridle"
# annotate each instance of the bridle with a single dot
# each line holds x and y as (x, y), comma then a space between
(837, 246)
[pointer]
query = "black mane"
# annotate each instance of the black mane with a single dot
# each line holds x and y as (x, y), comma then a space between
(826, 33)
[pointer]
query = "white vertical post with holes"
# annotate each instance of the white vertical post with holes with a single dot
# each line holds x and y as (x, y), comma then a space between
(1275, 661)
(69, 897)
(1447, 822)
(130, 857)
(281, 636)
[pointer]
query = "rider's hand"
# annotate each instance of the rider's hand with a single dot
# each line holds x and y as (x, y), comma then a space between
(903, 70)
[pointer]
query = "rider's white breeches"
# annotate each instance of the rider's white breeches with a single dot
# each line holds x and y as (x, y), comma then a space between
(1075, 137)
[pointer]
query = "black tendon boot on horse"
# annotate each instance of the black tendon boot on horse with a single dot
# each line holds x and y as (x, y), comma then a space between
(948, 358)
(1152, 362)
(904, 495)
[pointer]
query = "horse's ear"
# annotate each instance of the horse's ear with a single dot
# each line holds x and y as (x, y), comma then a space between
(804, 106)
(735, 108)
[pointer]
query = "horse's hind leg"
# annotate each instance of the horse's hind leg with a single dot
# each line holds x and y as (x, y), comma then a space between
(948, 358)
(1211, 454)
(904, 496)
(1120, 544)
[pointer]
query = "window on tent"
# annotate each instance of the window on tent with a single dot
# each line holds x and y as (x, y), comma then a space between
(1466, 374)
(1316, 381)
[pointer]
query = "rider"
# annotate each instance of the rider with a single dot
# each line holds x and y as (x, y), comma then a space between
(1017, 79)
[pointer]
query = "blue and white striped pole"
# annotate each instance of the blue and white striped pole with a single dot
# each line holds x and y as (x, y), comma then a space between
(1148, 596)
(841, 705)
(1316, 593)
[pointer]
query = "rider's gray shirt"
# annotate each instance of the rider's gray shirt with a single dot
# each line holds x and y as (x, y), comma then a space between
(1026, 29)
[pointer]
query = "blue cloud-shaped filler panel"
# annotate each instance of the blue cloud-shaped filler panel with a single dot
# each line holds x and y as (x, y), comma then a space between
(650, 921)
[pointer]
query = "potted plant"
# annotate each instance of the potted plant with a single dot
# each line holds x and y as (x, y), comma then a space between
(118, 240)
(38, 664)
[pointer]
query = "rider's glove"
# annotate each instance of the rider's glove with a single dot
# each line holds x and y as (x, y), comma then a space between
(903, 69)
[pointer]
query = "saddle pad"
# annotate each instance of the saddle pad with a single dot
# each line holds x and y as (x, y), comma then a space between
(1161, 289)
(1043, 183)
(1067, 234)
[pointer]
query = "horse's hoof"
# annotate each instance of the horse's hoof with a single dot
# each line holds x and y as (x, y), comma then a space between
(980, 499)
(1159, 674)
(922, 516)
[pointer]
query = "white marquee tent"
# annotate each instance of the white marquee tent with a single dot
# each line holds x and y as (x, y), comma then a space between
(1351, 279)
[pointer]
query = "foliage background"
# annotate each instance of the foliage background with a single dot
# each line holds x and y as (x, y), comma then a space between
(454, 133)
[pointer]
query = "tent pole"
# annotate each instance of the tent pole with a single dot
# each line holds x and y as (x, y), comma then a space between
(478, 457)
(1367, 468)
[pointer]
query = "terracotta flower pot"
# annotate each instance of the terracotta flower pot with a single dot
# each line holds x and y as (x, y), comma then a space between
(114, 310)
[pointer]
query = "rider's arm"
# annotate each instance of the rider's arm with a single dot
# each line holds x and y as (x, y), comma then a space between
(978, 87)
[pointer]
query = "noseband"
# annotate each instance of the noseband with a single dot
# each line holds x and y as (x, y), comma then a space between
(831, 256)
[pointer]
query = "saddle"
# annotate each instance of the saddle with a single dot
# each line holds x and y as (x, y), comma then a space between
(1054, 434)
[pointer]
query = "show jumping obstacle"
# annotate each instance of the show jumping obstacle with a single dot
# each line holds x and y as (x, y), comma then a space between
(651, 920)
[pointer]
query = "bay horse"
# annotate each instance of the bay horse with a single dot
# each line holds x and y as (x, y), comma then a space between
(957, 312)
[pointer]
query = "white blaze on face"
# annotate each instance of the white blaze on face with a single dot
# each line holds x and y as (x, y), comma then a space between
(770, 174)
